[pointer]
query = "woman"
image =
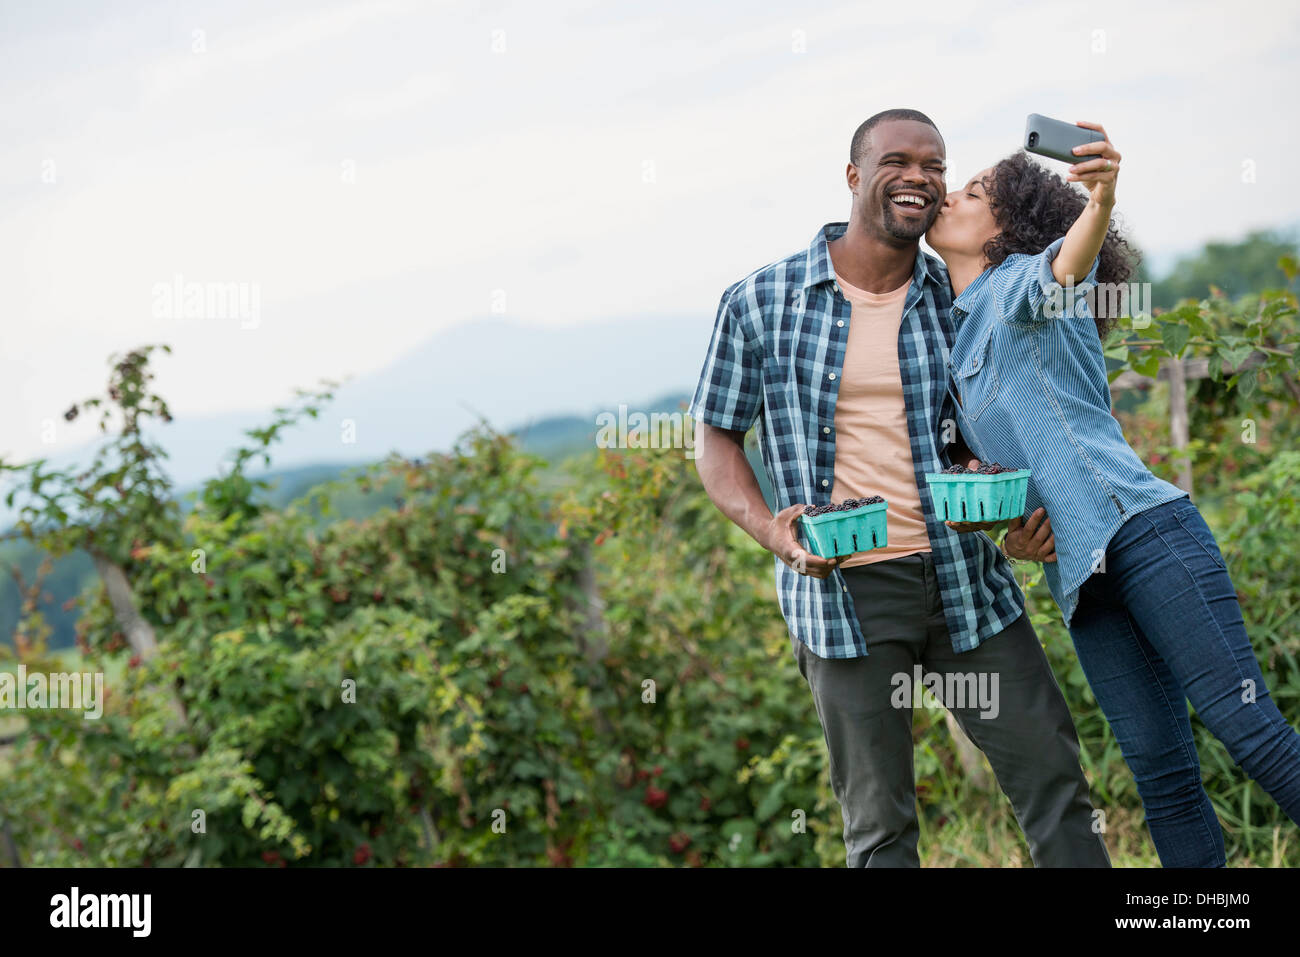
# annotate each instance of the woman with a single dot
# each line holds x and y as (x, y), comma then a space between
(1137, 573)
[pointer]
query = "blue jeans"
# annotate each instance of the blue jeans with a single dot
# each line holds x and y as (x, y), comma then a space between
(1157, 626)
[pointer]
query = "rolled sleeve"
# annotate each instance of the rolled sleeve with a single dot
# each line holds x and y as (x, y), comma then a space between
(729, 394)
(1027, 291)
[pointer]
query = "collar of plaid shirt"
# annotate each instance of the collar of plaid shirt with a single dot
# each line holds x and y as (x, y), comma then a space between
(775, 358)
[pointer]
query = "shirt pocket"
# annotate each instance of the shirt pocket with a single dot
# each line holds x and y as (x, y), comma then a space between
(975, 379)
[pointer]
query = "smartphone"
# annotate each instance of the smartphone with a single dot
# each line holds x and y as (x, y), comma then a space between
(1054, 139)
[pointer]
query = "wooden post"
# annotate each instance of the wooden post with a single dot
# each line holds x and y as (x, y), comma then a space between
(12, 858)
(970, 757)
(593, 639)
(9, 856)
(139, 633)
(1177, 372)
(1178, 421)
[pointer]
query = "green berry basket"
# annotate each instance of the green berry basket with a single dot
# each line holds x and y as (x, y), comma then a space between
(978, 498)
(860, 529)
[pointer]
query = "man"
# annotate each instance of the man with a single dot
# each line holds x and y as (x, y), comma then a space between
(838, 352)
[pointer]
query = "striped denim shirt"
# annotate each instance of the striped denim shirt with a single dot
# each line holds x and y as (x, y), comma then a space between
(1028, 368)
(775, 358)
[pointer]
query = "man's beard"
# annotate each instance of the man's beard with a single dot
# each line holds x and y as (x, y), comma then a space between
(908, 229)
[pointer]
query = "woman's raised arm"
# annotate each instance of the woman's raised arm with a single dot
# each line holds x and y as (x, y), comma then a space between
(1097, 169)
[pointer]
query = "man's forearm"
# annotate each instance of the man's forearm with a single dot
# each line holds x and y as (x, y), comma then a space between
(729, 480)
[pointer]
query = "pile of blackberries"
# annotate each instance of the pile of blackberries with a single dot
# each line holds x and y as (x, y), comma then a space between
(987, 468)
(845, 506)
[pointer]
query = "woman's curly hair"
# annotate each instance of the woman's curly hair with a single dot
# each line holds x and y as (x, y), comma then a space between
(1033, 207)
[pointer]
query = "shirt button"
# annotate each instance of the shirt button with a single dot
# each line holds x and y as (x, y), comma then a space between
(825, 483)
(826, 429)
(832, 375)
(839, 322)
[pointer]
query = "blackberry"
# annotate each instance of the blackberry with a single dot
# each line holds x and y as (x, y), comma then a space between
(992, 468)
(859, 502)
(847, 505)
(956, 470)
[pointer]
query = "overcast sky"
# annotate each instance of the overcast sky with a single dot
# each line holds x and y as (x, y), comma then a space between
(379, 170)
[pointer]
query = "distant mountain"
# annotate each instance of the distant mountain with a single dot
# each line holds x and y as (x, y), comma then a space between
(556, 437)
(511, 374)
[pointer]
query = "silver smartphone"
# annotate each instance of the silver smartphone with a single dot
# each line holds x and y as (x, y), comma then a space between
(1055, 139)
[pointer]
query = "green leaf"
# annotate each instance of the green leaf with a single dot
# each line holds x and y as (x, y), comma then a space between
(1197, 324)
(1248, 382)
(1235, 355)
(1148, 365)
(1175, 338)
(771, 802)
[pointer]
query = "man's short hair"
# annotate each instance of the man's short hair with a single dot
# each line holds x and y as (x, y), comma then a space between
(858, 148)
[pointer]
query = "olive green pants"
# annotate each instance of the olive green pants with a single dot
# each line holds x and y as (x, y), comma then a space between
(1003, 694)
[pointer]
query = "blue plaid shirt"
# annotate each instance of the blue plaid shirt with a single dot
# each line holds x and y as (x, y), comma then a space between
(775, 358)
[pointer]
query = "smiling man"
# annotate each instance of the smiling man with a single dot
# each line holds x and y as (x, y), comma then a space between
(838, 352)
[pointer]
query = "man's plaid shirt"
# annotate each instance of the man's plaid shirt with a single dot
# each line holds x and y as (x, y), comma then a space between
(775, 358)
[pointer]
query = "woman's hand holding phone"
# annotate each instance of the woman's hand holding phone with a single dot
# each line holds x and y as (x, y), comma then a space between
(1098, 167)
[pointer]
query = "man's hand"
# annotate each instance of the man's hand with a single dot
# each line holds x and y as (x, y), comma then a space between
(964, 527)
(732, 486)
(780, 540)
(1032, 540)
(962, 455)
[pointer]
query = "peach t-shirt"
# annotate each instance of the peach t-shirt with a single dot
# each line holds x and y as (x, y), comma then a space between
(873, 453)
